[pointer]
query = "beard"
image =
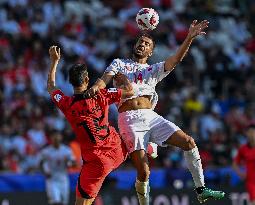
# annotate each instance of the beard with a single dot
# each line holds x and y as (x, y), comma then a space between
(136, 55)
(139, 55)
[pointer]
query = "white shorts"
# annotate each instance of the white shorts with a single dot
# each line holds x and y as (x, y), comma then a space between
(138, 127)
(58, 191)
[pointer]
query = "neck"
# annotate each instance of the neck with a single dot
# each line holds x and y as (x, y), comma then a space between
(140, 60)
(56, 146)
(79, 90)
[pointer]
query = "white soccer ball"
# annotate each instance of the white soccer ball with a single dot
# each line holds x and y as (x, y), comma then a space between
(147, 19)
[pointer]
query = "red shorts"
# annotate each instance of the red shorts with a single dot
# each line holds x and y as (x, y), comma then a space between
(93, 172)
(251, 190)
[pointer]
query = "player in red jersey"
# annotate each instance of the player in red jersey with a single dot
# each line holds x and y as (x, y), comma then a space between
(102, 149)
(246, 154)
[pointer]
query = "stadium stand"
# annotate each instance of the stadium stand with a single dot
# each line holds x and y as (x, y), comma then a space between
(210, 94)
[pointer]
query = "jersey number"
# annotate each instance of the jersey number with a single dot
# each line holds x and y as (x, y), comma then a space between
(138, 77)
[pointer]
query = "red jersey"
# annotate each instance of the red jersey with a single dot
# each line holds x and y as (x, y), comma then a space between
(246, 154)
(89, 119)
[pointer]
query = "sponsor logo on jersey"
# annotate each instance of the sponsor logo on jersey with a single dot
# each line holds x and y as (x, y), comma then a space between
(57, 97)
(112, 90)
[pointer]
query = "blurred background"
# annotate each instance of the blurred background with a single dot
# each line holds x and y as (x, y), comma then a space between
(210, 95)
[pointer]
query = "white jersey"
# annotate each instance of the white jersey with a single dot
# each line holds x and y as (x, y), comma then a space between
(144, 77)
(55, 160)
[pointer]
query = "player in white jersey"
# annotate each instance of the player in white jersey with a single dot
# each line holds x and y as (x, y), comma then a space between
(139, 124)
(54, 161)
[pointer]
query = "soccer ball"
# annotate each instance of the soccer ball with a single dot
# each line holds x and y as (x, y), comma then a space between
(147, 19)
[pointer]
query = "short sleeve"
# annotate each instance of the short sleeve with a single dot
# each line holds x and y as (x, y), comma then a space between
(239, 157)
(41, 156)
(70, 155)
(59, 99)
(158, 71)
(114, 67)
(113, 95)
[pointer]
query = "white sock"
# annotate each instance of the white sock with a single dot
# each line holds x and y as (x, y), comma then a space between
(143, 192)
(195, 166)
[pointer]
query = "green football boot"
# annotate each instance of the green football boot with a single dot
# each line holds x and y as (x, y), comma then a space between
(209, 194)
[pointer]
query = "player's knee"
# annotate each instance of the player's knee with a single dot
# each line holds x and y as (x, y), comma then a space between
(143, 174)
(189, 143)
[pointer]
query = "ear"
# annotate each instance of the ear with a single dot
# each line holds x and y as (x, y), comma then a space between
(150, 54)
(86, 80)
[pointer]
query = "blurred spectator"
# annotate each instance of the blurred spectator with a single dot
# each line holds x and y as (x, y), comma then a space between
(210, 94)
(210, 123)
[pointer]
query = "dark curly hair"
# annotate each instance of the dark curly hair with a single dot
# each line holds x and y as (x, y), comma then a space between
(147, 36)
(77, 74)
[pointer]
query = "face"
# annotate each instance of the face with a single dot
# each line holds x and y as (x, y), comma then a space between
(56, 138)
(85, 84)
(251, 136)
(143, 47)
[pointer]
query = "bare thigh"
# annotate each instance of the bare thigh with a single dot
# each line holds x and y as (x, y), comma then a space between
(182, 140)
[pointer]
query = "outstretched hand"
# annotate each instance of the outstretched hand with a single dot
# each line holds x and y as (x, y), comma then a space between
(91, 92)
(54, 53)
(122, 81)
(197, 29)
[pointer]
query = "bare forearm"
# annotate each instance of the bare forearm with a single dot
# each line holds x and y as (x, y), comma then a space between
(195, 30)
(51, 85)
(237, 169)
(172, 61)
(121, 81)
(183, 49)
(124, 84)
(127, 94)
(54, 52)
(100, 84)
(103, 81)
(127, 88)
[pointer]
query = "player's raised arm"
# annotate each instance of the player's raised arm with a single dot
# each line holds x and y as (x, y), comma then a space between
(100, 83)
(238, 170)
(195, 29)
(54, 53)
(114, 68)
(125, 89)
(236, 164)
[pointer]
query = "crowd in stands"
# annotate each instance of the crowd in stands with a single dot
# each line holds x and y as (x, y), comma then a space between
(210, 95)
